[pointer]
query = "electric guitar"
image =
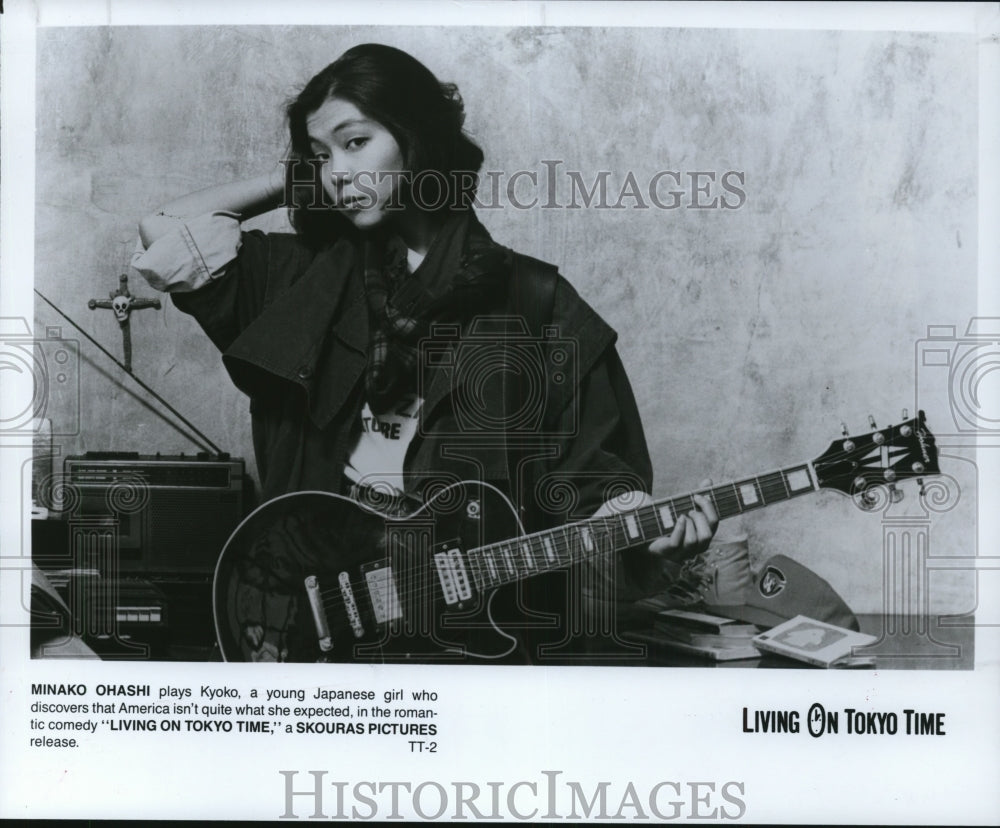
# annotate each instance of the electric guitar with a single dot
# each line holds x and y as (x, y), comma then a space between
(315, 576)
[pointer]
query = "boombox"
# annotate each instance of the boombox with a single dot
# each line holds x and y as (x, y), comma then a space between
(164, 515)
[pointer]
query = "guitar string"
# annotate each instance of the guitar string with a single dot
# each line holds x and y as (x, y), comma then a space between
(726, 497)
(773, 487)
(569, 550)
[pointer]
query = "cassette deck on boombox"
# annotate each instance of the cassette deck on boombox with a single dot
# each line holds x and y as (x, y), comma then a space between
(168, 514)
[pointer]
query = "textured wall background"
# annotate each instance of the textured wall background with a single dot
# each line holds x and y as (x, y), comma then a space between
(749, 334)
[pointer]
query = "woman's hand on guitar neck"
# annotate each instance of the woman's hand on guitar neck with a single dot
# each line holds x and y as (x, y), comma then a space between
(652, 569)
(692, 533)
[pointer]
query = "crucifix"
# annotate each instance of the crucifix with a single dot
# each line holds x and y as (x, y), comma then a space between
(123, 303)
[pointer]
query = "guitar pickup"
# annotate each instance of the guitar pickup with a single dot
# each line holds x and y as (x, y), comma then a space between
(455, 585)
(382, 593)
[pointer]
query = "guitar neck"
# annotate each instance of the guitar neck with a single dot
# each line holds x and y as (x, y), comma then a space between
(515, 559)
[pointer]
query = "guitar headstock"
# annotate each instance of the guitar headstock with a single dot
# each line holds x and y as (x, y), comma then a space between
(882, 457)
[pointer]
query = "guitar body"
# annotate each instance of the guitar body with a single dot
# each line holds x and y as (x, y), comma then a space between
(315, 576)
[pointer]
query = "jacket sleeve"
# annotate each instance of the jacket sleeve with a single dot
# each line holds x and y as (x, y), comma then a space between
(601, 445)
(594, 441)
(212, 271)
(194, 252)
(225, 305)
(597, 453)
(601, 456)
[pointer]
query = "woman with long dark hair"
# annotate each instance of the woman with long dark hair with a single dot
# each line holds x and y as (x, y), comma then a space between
(383, 345)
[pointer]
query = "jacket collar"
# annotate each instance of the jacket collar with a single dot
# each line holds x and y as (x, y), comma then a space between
(482, 260)
(315, 334)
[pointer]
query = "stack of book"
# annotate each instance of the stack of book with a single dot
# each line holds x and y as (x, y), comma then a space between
(697, 633)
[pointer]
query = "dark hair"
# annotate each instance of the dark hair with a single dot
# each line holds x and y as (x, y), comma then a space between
(424, 116)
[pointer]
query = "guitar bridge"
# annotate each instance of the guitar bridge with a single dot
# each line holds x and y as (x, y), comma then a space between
(350, 605)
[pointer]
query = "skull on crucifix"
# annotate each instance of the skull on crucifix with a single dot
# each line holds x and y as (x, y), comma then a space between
(122, 303)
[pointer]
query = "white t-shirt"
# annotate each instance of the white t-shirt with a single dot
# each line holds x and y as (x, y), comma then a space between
(377, 459)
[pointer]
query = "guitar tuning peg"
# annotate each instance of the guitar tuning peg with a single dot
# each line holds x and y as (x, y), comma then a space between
(848, 444)
(871, 422)
(920, 482)
(904, 429)
(895, 494)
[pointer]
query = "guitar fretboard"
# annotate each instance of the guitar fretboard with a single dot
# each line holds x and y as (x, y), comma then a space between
(512, 560)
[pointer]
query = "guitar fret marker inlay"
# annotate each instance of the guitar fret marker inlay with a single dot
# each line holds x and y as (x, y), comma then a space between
(550, 554)
(799, 480)
(666, 517)
(491, 565)
(508, 560)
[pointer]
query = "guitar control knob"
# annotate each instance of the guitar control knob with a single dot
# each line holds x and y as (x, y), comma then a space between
(848, 445)
(878, 438)
(890, 475)
(918, 467)
(906, 431)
